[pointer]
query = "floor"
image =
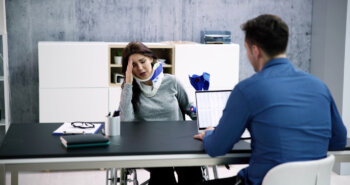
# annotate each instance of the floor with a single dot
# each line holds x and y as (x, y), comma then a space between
(98, 177)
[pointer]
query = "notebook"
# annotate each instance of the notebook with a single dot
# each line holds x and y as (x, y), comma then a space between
(75, 141)
(210, 105)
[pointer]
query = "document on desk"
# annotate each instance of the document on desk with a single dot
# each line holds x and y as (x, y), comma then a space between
(68, 129)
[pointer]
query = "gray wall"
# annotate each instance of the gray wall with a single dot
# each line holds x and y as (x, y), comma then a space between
(328, 41)
(2, 98)
(30, 21)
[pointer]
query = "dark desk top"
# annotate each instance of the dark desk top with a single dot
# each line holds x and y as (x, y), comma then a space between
(174, 137)
(37, 141)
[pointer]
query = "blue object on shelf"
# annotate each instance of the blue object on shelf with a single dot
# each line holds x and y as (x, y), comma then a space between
(200, 82)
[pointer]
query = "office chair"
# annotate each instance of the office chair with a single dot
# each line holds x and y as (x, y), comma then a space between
(315, 172)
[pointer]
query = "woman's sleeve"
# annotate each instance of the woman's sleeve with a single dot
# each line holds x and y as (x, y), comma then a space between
(183, 100)
(126, 107)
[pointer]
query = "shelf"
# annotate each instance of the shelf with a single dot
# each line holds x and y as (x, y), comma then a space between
(116, 65)
(167, 65)
(119, 65)
(115, 85)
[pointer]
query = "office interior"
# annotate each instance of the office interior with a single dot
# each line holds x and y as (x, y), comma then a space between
(319, 40)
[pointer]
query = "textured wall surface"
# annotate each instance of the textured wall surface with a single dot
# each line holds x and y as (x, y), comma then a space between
(30, 21)
(2, 98)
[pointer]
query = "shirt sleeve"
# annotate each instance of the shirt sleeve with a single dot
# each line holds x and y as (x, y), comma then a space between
(339, 133)
(183, 100)
(126, 107)
(231, 126)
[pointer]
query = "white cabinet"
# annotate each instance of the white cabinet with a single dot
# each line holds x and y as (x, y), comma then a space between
(75, 78)
(73, 104)
(73, 64)
(220, 61)
(5, 118)
(114, 98)
(73, 81)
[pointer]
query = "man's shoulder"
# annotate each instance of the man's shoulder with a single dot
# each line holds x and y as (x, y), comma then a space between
(248, 82)
(260, 81)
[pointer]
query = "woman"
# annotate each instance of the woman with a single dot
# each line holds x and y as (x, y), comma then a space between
(149, 95)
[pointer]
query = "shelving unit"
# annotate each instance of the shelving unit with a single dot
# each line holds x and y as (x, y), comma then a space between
(4, 76)
(162, 51)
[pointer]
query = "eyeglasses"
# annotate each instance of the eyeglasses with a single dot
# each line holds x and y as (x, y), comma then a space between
(83, 125)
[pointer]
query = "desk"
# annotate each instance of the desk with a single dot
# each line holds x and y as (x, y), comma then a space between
(32, 147)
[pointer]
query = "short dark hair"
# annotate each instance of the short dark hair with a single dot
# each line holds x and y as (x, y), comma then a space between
(269, 32)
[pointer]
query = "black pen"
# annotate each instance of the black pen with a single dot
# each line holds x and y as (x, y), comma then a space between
(116, 113)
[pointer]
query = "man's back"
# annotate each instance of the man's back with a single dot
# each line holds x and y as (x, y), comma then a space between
(291, 117)
(290, 114)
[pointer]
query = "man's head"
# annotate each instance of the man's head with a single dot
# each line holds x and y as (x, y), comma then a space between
(266, 37)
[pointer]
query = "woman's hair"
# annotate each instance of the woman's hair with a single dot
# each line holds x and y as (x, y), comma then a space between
(268, 32)
(130, 49)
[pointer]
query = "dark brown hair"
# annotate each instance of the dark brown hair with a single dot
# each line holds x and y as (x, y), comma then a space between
(269, 32)
(130, 49)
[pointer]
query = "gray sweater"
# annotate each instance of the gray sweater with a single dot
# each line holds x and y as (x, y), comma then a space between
(169, 103)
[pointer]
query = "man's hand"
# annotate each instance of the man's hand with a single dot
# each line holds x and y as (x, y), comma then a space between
(128, 74)
(201, 135)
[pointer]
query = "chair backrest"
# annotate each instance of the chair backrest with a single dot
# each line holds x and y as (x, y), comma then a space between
(316, 172)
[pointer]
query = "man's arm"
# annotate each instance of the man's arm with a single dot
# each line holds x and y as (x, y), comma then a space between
(339, 133)
(231, 126)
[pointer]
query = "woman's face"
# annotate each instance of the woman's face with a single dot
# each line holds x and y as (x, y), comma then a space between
(141, 66)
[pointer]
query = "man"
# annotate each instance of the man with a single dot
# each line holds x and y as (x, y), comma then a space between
(290, 114)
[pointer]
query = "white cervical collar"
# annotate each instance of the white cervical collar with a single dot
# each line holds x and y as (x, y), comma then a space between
(156, 78)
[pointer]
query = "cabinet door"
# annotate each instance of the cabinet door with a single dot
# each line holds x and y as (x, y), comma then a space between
(220, 61)
(73, 64)
(114, 98)
(73, 104)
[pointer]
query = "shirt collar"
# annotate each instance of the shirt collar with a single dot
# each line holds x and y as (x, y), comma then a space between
(276, 61)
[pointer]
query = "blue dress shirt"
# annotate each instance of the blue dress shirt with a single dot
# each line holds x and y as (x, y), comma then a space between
(290, 115)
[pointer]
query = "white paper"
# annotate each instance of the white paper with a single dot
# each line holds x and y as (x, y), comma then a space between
(67, 128)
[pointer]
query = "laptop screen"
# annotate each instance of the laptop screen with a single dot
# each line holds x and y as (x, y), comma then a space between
(210, 105)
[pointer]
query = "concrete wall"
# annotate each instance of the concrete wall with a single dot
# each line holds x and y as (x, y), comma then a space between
(2, 99)
(30, 21)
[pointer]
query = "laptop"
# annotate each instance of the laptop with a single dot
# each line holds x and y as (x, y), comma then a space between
(210, 105)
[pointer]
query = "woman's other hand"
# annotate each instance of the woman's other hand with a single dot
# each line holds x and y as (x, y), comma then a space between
(128, 74)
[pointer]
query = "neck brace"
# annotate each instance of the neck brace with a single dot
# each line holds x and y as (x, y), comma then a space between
(156, 79)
